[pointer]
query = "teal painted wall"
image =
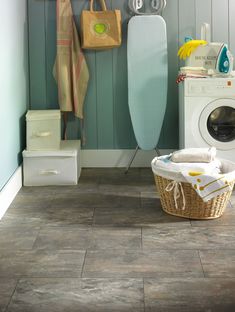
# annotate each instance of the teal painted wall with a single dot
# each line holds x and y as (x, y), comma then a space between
(13, 85)
(107, 122)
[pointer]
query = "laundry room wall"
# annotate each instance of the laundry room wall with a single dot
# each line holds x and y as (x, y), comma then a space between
(107, 120)
(14, 85)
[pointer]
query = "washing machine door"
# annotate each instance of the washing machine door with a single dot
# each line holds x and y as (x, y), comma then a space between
(217, 124)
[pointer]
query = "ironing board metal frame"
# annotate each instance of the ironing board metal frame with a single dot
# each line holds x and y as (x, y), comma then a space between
(133, 157)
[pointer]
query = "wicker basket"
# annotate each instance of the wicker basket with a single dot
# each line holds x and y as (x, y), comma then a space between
(195, 207)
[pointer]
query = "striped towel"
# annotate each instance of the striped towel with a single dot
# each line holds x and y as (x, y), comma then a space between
(70, 70)
(207, 185)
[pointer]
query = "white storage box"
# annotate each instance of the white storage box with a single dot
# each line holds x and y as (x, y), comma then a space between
(60, 167)
(43, 129)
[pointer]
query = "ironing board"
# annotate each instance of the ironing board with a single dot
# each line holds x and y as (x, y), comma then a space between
(147, 77)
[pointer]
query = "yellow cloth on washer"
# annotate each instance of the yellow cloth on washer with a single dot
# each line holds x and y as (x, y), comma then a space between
(207, 185)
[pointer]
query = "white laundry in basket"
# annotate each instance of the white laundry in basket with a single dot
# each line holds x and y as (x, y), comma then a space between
(168, 169)
(208, 179)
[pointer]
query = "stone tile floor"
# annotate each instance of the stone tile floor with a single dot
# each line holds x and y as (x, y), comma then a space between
(106, 245)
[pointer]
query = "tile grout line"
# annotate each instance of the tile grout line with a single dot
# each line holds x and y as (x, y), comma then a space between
(83, 264)
(10, 299)
(143, 294)
(33, 247)
(141, 238)
(201, 263)
(93, 217)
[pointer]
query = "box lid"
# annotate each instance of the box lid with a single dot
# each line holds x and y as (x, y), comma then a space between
(43, 114)
(68, 148)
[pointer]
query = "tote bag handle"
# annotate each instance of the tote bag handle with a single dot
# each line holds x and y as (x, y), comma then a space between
(102, 3)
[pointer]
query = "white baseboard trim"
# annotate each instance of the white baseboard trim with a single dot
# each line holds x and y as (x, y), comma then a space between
(10, 190)
(117, 158)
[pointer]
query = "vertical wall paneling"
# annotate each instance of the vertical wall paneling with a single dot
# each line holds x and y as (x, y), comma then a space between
(50, 53)
(104, 99)
(170, 125)
(186, 19)
(73, 125)
(123, 131)
(107, 119)
(232, 26)
(203, 15)
(220, 21)
(37, 54)
(104, 82)
(90, 105)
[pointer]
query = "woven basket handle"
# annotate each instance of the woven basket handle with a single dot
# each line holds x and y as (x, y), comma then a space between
(102, 3)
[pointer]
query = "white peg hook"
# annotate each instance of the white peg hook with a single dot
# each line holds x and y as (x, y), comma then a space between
(139, 4)
(206, 32)
(135, 5)
(157, 5)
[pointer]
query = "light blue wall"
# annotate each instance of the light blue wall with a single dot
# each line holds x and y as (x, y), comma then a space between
(13, 85)
(107, 119)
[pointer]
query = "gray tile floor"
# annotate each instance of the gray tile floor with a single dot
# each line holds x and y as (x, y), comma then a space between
(106, 245)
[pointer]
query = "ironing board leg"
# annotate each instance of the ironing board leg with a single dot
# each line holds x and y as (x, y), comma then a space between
(158, 152)
(132, 158)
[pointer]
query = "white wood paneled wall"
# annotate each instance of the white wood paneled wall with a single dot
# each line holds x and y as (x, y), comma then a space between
(220, 14)
(231, 28)
(108, 124)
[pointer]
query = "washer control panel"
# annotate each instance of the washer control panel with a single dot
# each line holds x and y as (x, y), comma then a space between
(218, 87)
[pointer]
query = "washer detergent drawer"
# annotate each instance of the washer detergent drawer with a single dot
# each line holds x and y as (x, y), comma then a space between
(52, 167)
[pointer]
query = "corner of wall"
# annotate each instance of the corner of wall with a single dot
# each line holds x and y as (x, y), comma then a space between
(9, 191)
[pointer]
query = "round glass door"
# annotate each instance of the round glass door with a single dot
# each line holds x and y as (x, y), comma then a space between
(221, 124)
(217, 124)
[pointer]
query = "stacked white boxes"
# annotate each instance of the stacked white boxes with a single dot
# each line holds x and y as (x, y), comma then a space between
(47, 160)
(43, 130)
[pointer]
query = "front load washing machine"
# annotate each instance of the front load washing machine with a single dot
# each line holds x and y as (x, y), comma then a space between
(207, 114)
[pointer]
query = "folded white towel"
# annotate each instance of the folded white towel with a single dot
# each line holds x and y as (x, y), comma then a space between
(165, 162)
(202, 155)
